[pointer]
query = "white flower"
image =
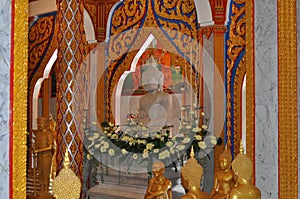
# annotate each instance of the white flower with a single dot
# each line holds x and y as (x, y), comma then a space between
(109, 135)
(172, 150)
(141, 141)
(111, 152)
(188, 127)
(204, 126)
(186, 140)
(202, 145)
(88, 156)
(95, 136)
(180, 147)
(135, 156)
(105, 144)
(155, 150)
(145, 153)
(196, 129)
(97, 146)
(213, 139)
(125, 138)
(196, 122)
(168, 144)
(114, 136)
(198, 137)
(103, 149)
(149, 146)
(124, 151)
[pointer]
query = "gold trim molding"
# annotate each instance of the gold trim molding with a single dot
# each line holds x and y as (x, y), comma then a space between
(19, 112)
(250, 85)
(287, 100)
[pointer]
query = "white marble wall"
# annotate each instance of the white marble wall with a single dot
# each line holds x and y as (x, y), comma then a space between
(298, 38)
(266, 85)
(5, 18)
(208, 73)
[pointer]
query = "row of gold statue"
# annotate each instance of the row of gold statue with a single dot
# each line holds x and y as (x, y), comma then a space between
(232, 181)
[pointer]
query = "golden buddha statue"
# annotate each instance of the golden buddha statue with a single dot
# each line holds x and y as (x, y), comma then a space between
(66, 185)
(191, 175)
(224, 178)
(242, 168)
(159, 186)
(44, 149)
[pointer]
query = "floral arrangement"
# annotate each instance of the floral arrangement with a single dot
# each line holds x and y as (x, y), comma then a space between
(115, 142)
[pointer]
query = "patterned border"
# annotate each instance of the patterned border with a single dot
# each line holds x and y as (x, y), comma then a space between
(250, 86)
(18, 100)
(287, 100)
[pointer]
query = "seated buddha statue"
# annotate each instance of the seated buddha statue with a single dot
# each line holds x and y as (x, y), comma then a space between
(224, 180)
(155, 105)
(242, 168)
(159, 186)
(66, 185)
(191, 175)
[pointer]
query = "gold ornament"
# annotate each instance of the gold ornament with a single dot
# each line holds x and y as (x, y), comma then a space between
(242, 168)
(66, 184)
(191, 175)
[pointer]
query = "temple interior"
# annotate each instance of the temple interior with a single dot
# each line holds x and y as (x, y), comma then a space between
(149, 99)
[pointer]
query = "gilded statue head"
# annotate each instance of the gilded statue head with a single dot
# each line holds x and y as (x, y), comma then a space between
(158, 168)
(225, 159)
(242, 165)
(42, 122)
(191, 173)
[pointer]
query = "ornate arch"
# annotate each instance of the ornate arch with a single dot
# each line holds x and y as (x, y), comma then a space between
(174, 24)
(42, 44)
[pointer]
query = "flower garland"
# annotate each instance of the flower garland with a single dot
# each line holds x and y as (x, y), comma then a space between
(120, 144)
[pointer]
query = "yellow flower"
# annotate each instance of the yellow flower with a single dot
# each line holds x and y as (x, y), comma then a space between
(198, 137)
(202, 145)
(157, 135)
(124, 151)
(186, 140)
(88, 156)
(172, 150)
(196, 129)
(135, 156)
(180, 147)
(103, 149)
(169, 144)
(145, 153)
(97, 146)
(111, 152)
(213, 139)
(149, 146)
(155, 150)
(110, 124)
(114, 136)
(105, 144)
(188, 127)
(204, 126)
(202, 113)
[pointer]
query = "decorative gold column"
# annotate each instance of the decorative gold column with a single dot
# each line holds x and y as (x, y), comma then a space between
(250, 86)
(219, 92)
(287, 99)
(18, 99)
(71, 53)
